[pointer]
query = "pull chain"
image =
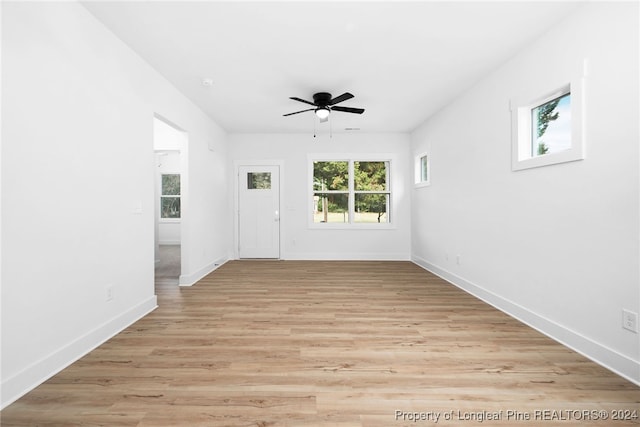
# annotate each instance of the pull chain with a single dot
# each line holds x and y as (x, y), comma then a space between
(330, 129)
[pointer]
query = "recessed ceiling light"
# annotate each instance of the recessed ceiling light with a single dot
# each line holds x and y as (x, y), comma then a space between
(207, 82)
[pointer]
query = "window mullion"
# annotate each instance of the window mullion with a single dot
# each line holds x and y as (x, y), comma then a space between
(352, 197)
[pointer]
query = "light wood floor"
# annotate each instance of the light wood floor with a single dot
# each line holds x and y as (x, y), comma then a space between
(287, 343)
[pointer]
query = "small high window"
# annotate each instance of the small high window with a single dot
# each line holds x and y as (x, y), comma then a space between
(547, 125)
(422, 170)
(551, 126)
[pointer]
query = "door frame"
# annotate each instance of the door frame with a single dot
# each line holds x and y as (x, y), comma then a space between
(237, 164)
(180, 143)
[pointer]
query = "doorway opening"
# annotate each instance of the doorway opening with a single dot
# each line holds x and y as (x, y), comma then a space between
(169, 143)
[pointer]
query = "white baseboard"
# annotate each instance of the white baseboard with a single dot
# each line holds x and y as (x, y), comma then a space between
(602, 355)
(332, 256)
(192, 279)
(32, 376)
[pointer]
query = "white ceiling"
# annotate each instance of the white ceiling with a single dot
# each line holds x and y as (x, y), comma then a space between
(403, 61)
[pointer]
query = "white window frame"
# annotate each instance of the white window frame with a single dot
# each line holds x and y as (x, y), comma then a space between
(178, 196)
(351, 158)
(417, 167)
(543, 90)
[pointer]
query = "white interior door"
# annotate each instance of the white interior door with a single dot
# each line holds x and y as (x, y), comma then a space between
(259, 211)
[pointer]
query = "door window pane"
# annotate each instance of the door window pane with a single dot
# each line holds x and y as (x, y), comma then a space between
(259, 180)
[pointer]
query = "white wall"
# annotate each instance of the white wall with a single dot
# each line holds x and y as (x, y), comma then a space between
(78, 187)
(298, 241)
(206, 225)
(556, 246)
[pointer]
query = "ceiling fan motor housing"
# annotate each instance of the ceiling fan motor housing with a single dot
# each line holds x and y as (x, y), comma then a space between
(322, 99)
(324, 103)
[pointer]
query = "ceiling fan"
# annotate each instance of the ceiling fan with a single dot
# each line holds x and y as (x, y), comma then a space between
(323, 105)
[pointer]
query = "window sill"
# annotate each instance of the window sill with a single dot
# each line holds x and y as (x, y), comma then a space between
(170, 220)
(356, 226)
(548, 160)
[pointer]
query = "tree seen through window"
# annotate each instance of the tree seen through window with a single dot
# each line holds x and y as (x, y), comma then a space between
(170, 196)
(351, 191)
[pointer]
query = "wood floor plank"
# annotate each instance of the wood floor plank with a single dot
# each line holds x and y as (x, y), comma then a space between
(346, 344)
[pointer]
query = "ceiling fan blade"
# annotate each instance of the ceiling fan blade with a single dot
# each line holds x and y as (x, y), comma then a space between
(348, 110)
(295, 98)
(297, 112)
(341, 98)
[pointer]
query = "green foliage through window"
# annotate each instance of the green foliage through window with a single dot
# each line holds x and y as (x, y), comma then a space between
(259, 180)
(551, 130)
(331, 176)
(170, 196)
(351, 191)
(370, 176)
(424, 168)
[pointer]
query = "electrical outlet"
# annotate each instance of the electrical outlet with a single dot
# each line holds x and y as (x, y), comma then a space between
(458, 259)
(630, 320)
(109, 293)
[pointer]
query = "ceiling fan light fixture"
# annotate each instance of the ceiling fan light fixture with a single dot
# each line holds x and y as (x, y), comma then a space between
(323, 104)
(322, 113)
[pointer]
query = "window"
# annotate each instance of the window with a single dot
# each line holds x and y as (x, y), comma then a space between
(331, 191)
(547, 127)
(351, 192)
(551, 126)
(371, 192)
(170, 197)
(422, 170)
(259, 181)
